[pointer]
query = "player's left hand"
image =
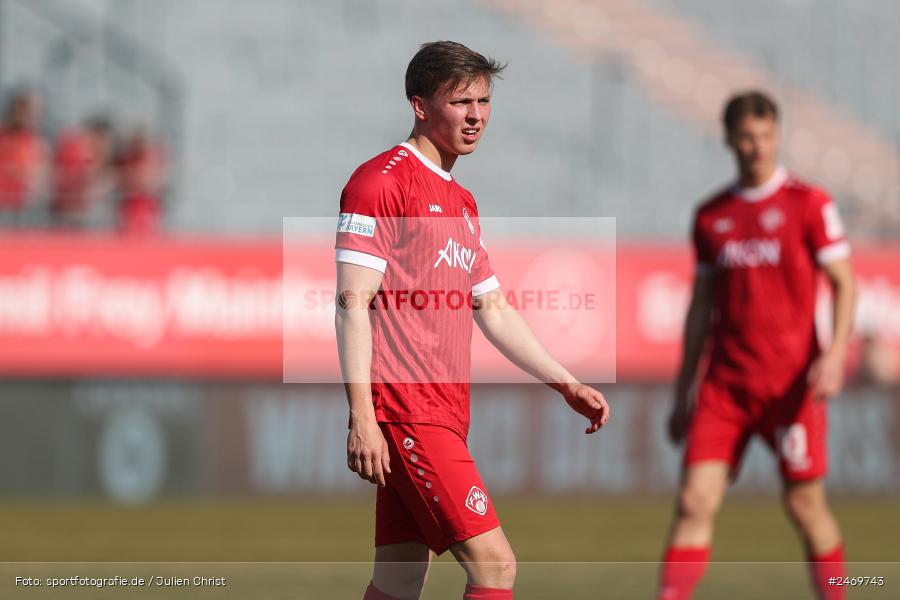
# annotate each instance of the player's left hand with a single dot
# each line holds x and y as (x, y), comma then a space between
(826, 375)
(587, 401)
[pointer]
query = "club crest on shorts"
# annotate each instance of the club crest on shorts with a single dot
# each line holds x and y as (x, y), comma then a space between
(408, 443)
(477, 501)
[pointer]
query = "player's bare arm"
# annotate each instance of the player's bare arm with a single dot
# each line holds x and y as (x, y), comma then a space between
(826, 375)
(505, 328)
(367, 453)
(696, 330)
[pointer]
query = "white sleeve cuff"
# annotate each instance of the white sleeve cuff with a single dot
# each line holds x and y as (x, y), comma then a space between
(360, 258)
(488, 285)
(833, 252)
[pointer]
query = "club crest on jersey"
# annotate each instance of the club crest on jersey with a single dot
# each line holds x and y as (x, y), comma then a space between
(477, 501)
(408, 443)
(468, 221)
(456, 255)
(771, 219)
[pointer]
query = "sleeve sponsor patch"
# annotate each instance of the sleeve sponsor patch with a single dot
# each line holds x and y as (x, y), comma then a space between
(358, 224)
(834, 229)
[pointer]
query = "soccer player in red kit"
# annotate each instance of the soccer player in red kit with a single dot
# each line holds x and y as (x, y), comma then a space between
(412, 275)
(759, 245)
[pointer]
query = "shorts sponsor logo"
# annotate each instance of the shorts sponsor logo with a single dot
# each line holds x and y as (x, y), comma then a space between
(358, 224)
(477, 501)
(408, 443)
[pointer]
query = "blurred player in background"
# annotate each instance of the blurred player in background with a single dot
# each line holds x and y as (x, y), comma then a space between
(23, 156)
(759, 246)
(81, 172)
(408, 230)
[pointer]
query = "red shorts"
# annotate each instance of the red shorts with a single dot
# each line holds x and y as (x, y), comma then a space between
(434, 494)
(794, 426)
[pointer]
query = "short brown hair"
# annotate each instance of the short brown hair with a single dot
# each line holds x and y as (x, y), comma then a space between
(753, 103)
(439, 64)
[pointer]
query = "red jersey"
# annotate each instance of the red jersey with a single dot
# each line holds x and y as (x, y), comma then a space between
(406, 217)
(22, 154)
(763, 247)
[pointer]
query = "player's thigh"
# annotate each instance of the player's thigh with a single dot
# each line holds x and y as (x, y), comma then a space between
(796, 429)
(488, 547)
(720, 428)
(436, 477)
(487, 559)
(703, 486)
(401, 569)
(805, 501)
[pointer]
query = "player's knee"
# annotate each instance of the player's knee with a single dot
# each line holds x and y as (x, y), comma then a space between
(400, 580)
(805, 506)
(697, 504)
(495, 568)
(501, 572)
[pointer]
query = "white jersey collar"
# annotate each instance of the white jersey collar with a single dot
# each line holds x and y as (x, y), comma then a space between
(427, 162)
(761, 192)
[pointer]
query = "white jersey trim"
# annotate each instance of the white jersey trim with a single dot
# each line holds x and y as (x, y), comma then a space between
(761, 192)
(483, 287)
(427, 162)
(833, 252)
(362, 259)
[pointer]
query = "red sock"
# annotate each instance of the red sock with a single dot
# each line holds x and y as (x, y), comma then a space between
(373, 593)
(682, 570)
(477, 592)
(825, 567)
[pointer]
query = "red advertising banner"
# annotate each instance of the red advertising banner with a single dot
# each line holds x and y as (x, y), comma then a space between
(73, 305)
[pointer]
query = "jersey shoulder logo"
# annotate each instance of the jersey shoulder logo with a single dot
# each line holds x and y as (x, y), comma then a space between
(358, 224)
(468, 221)
(834, 229)
(477, 501)
(394, 161)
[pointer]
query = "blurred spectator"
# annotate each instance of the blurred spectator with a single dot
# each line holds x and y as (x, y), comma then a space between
(81, 176)
(142, 178)
(23, 155)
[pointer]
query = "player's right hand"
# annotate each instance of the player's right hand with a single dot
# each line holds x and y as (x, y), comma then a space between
(367, 450)
(679, 418)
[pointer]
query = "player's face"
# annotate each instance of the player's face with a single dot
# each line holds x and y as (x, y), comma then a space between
(754, 141)
(456, 119)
